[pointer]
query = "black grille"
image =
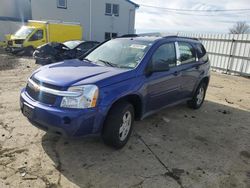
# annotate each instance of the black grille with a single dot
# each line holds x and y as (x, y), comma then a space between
(46, 85)
(42, 97)
(19, 41)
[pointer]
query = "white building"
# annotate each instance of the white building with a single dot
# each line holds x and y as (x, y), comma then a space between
(100, 19)
(13, 14)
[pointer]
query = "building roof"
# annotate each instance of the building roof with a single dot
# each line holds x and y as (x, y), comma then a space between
(136, 5)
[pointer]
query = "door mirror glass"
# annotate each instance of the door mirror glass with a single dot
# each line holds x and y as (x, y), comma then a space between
(160, 66)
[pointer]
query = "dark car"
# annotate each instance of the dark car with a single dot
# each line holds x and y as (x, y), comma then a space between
(55, 52)
(122, 80)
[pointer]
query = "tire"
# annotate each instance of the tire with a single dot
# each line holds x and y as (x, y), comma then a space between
(198, 97)
(118, 125)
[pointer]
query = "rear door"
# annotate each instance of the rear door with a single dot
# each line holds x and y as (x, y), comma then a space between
(163, 88)
(189, 66)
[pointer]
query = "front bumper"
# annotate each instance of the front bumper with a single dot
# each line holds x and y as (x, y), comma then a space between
(14, 49)
(66, 122)
(43, 60)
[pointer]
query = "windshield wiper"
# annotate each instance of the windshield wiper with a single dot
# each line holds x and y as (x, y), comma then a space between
(86, 59)
(108, 63)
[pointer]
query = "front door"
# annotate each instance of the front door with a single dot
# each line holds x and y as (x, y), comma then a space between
(163, 88)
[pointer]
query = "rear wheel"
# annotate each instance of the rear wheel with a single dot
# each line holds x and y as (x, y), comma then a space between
(198, 97)
(118, 125)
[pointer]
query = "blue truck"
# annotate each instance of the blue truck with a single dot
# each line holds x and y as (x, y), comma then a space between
(120, 81)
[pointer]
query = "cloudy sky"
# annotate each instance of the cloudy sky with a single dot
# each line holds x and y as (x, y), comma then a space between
(150, 19)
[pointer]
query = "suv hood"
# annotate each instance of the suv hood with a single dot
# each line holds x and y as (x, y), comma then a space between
(76, 72)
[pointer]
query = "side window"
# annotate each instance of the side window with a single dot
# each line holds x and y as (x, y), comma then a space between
(201, 52)
(187, 53)
(38, 35)
(165, 54)
(85, 46)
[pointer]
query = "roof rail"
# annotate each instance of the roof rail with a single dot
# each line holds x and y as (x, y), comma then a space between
(169, 36)
(185, 37)
(163, 35)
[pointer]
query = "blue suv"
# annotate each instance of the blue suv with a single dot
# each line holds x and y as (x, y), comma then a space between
(121, 80)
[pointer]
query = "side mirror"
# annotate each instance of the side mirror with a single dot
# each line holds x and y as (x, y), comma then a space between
(160, 66)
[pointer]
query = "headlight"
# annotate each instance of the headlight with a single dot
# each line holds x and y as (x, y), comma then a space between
(87, 99)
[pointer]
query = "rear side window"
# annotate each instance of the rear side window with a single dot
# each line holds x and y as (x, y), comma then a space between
(201, 52)
(187, 53)
(86, 46)
(165, 53)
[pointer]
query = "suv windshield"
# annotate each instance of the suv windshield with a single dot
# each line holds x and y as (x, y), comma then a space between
(24, 31)
(122, 53)
(72, 44)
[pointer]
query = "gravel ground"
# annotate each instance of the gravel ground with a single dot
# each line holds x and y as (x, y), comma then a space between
(178, 147)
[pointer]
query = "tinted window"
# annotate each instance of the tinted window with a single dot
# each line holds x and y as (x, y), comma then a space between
(38, 35)
(165, 54)
(86, 46)
(201, 52)
(187, 53)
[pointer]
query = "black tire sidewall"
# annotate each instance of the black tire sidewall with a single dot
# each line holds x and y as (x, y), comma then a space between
(195, 100)
(113, 123)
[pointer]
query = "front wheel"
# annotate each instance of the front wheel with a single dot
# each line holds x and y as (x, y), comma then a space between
(118, 125)
(199, 96)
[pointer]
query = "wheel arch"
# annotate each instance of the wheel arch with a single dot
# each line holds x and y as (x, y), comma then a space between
(135, 100)
(205, 79)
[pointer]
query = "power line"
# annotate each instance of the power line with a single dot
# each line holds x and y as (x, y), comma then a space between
(191, 10)
(201, 14)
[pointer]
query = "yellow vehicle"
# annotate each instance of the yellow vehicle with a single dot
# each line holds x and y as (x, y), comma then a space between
(3, 44)
(37, 33)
